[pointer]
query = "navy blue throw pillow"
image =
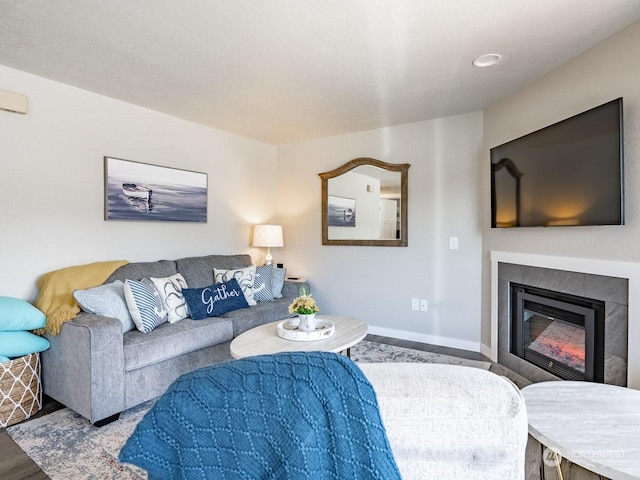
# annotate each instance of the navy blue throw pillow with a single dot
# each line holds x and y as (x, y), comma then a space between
(214, 300)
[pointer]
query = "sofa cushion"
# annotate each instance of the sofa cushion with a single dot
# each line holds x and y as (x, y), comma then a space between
(171, 340)
(263, 312)
(140, 270)
(198, 271)
(170, 290)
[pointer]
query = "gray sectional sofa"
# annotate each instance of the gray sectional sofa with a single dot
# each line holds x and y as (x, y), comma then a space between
(98, 371)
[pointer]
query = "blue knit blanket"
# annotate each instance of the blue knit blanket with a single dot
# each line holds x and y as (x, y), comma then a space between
(285, 416)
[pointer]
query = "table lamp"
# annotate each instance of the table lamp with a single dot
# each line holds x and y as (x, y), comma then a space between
(267, 236)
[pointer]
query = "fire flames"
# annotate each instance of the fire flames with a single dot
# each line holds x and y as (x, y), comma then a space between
(570, 354)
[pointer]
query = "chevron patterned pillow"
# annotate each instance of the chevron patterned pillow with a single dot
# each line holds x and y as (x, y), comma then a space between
(145, 304)
(262, 284)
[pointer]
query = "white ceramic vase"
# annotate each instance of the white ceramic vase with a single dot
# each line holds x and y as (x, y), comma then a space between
(307, 322)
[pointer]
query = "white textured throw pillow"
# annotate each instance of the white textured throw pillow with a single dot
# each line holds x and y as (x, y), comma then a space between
(245, 277)
(170, 290)
(107, 300)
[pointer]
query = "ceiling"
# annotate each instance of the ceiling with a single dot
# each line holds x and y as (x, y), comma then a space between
(286, 71)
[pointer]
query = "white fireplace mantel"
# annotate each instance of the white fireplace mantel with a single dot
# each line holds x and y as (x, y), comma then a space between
(630, 271)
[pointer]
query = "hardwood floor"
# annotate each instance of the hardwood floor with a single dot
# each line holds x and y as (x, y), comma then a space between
(16, 465)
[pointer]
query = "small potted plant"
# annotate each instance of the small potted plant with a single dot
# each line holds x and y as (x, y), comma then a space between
(306, 308)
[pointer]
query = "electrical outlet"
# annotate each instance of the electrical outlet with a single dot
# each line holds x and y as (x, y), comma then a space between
(453, 243)
(415, 304)
(424, 305)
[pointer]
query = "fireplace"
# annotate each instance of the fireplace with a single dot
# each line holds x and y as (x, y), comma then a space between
(560, 333)
(578, 279)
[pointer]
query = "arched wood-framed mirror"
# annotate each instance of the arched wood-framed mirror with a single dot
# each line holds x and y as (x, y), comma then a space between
(364, 202)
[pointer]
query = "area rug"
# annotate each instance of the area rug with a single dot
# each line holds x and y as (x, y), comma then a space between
(374, 352)
(66, 446)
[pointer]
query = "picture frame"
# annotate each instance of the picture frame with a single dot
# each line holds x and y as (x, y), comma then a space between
(341, 211)
(147, 192)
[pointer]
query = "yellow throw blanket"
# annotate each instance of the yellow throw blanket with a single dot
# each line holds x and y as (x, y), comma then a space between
(56, 291)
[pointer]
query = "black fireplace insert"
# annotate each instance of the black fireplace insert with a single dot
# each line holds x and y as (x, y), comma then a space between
(560, 333)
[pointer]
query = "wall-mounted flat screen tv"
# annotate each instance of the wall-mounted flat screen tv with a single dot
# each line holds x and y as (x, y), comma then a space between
(567, 174)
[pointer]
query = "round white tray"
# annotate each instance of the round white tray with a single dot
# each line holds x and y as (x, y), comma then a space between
(324, 329)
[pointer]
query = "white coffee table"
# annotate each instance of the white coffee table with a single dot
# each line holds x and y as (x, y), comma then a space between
(594, 425)
(264, 339)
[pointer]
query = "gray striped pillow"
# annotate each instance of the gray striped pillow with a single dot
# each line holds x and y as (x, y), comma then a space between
(145, 304)
(262, 284)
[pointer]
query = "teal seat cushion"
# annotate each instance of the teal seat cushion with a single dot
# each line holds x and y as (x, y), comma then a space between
(4, 359)
(19, 344)
(17, 314)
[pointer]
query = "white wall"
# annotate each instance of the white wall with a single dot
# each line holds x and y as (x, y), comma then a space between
(51, 183)
(51, 195)
(607, 71)
(376, 284)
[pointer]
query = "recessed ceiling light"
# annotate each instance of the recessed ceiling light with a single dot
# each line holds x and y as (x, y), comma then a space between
(487, 60)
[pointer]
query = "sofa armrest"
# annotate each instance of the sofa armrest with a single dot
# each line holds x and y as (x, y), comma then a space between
(84, 367)
(292, 289)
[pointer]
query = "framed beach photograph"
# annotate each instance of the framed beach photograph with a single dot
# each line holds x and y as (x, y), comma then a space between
(141, 191)
(341, 211)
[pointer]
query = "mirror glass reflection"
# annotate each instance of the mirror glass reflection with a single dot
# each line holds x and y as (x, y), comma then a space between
(363, 204)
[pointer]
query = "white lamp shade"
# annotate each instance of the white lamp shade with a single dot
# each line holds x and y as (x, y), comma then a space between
(267, 236)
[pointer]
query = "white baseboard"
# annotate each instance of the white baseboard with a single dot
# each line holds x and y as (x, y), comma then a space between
(486, 351)
(430, 339)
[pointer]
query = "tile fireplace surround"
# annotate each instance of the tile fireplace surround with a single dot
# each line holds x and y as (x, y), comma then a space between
(616, 283)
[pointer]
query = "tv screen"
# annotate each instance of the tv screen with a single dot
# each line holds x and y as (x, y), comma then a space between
(569, 173)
